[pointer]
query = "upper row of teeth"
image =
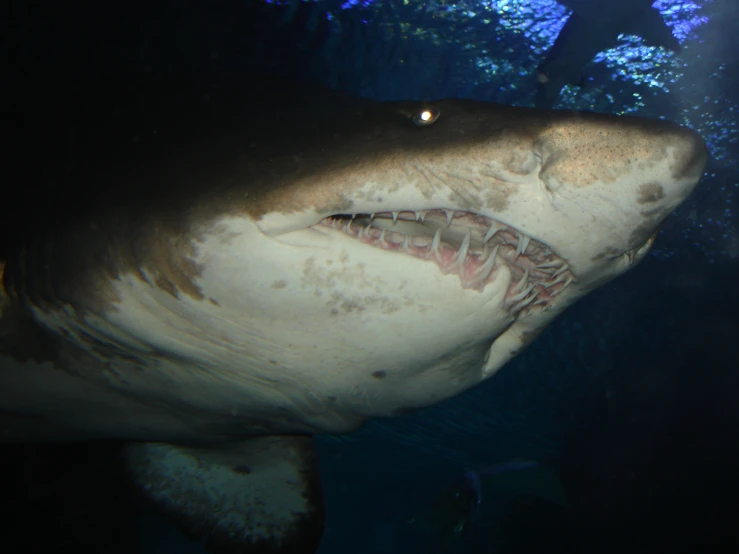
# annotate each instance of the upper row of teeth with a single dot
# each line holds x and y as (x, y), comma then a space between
(420, 215)
(523, 240)
(488, 258)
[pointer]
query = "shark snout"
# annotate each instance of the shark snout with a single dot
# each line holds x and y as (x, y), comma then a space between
(629, 163)
(690, 155)
(678, 159)
(611, 182)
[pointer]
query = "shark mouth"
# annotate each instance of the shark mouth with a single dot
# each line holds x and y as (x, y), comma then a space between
(469, 245)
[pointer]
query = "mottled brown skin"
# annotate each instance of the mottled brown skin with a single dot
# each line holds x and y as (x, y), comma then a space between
(107, 149)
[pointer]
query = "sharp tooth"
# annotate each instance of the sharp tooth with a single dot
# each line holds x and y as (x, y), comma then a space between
(491, 232)
(495, 251)
(524, 280)
(354, 215)
(406, 244)
(523, 243)
(567, 284)
(523, 294)
(462, 253)
(435, 243)
(395, 216)
(547, 265)
(559, 279)
(372, 216)
(382, 237)
(449, 217)
(561, 270)
(486, 268)
(420, 216)
(525, 302)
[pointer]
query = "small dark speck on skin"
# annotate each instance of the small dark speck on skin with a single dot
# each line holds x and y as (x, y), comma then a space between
(245, 470)
(214, 302)
(379, 374)
(281, 284)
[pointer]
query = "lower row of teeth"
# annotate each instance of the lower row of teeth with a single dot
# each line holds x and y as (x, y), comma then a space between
(519, 296)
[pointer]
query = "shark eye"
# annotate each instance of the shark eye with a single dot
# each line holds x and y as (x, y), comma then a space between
(426, 116)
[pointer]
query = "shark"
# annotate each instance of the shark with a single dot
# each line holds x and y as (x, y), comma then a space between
(213, 270)
(592, 27)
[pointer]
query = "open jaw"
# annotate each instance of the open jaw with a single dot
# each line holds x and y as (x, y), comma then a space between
(469, 245)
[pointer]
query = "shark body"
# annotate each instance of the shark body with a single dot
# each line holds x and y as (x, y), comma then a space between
(215, 271)
(594, 26)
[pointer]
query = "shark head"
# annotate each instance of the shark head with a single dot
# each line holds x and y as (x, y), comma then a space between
(262, 265)
(395, 254)
(318, 259)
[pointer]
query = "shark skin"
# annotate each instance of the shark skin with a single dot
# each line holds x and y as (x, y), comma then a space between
(594, 26)
(216, 269)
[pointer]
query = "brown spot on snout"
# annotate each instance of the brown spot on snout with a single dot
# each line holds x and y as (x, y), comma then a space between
(650, 192)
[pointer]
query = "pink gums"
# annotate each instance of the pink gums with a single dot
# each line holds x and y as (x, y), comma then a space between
(546, 274)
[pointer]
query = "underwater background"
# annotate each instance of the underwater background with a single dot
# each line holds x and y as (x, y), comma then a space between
(629, 401)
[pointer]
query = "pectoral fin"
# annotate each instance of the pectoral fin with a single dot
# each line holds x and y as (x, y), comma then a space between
(260, 495)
